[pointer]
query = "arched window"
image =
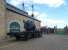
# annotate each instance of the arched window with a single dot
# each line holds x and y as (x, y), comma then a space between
(14, 27)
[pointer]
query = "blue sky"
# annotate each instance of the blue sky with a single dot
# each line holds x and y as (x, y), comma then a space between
(50, 12)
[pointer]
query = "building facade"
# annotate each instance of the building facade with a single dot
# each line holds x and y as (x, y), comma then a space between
(11, 18)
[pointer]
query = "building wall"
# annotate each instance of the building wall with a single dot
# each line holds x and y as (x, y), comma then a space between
(37, 23)
(7, 17)
(14, 17)
(2, 18)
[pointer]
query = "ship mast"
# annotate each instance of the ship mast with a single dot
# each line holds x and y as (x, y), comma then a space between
(32, 9)
(23, 6)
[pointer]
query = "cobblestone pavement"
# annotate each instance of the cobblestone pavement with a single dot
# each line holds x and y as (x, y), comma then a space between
(47, 42)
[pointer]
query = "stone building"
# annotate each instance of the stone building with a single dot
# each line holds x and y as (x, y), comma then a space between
(11, 18)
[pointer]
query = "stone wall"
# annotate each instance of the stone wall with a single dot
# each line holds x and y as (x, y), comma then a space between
(2, 18)
(14, 17)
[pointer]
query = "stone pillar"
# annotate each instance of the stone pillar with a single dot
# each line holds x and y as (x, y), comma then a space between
(2, 18)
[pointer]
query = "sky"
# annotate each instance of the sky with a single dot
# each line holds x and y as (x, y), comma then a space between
(50, 12)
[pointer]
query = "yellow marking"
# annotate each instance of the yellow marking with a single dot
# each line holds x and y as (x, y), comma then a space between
(8, 45)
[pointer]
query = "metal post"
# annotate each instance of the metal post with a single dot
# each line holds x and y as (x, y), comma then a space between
(23, 6)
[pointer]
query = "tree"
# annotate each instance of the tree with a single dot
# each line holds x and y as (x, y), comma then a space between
(66, 29)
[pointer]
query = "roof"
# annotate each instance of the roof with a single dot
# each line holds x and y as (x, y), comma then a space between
(18, 11)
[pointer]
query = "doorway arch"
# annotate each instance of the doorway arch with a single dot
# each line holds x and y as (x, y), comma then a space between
(14, 27)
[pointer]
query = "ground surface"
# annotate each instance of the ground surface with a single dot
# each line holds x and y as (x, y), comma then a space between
(47, 42)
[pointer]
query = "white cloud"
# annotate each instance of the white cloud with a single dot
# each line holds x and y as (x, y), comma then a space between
(53, 22)
(14, 2)
(46, 21)
(38, 15)
(50, 3)
(35, 13)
